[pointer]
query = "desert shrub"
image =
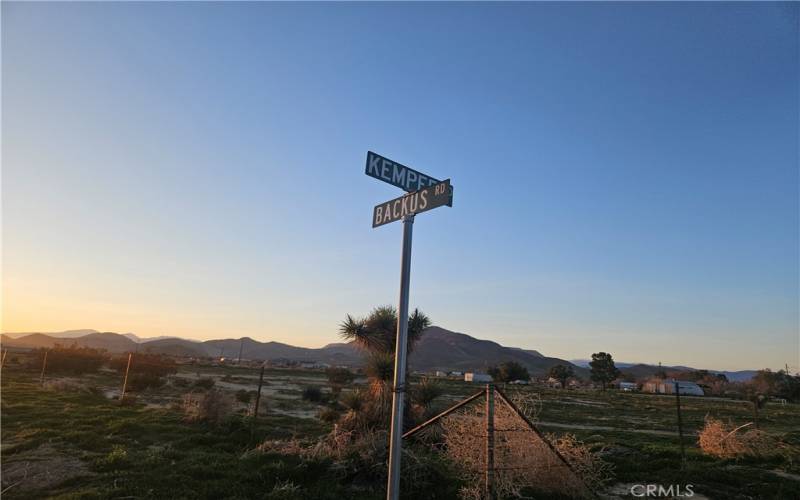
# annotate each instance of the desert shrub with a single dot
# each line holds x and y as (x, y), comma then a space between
(338, 378)
(117, 458)
(205, 383)
(244, 396)
(213, 407)
(138, 382)
(528, 402)
(147, 370)
(151, 364)
(329, 415)
(129, 400)
(73, 360)
(180, 382)
(422, 395)
(63, 385)
(312, 393)
(525, 462)
(587, 464)
(725, 441)
(362, 456)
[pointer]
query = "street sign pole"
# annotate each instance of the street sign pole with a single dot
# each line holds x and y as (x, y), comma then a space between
(401, 347)
(423, 193)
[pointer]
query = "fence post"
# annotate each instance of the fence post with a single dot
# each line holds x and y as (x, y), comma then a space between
(489, 442)
(3, 361)
(44, 365)
(680, 423)
(258, 394)
(755, 409)
(125, 380)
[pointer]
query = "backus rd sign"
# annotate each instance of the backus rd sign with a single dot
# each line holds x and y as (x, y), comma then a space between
(423, 200)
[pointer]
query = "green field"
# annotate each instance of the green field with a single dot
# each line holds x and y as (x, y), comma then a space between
(74, 440)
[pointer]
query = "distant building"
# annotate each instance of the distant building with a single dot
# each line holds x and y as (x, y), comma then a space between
(439, 373)
(281, 363)
(668, 387)
(553, 383)
(456, 374)
(313, 365)
(628, 386)
(477, 377)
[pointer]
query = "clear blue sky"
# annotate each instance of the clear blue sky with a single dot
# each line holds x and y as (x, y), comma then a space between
(626, 175)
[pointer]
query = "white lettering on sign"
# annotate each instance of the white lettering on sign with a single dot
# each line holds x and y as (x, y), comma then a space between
(372, 165)
(411, 179)
(413, 203)
(399, 176)
(396, 174)
(386, 170)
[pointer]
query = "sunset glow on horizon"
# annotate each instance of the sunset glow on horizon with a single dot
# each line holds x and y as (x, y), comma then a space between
(624, 182)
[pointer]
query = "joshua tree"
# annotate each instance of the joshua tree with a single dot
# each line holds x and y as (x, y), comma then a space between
(377, 332)
(376, 335)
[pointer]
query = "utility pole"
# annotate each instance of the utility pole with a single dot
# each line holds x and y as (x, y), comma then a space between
(680, 423)
(489, 479)
(241, 345)
(401, 346)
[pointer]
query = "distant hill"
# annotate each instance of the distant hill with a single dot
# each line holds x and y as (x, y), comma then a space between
(441, 349)
(438, 349)
(641, 370)
(112, 342)
(140, 340)
(67, 334)
(174, 347)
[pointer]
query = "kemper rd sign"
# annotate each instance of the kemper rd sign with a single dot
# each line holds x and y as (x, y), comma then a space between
(423, 200)
(406, 178)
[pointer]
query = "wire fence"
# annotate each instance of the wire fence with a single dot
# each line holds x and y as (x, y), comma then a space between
(501, 453)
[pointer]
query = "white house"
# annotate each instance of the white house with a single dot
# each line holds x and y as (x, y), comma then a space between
(477, 377)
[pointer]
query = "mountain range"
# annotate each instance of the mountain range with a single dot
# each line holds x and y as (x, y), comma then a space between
(640, 370)
(438, 349)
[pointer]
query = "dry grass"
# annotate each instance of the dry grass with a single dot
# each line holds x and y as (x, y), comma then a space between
(523, 460)
(212, 407)
(725, 441)
(69, 385)
(42, 467)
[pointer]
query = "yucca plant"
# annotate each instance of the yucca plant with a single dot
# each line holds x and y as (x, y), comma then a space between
(376, 335)
(377, 332)
(422, 396)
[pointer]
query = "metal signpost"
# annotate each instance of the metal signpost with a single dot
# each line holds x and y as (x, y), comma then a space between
(424, 193)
